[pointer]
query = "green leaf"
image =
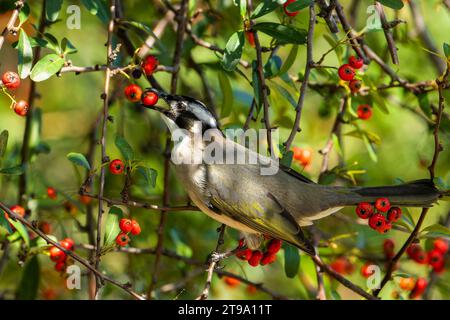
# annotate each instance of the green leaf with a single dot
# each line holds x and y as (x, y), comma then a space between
(112, 228)
(52, 43)
(124, 147)
(289, 60)
(227, 94)
(282, 33)
(22, 231)
(52, 9)
(256, 86)
(4, 222)
(446, 47)
(369, 147)
(13, 171)
(424, 103)
(25, 55)
(149, 175)
(29, 283)
(336, 144)
(298, 5)
(407, 219)
(3, 142)
(242, 7)
(291, 260)
(67, 47)
(286, 94)
(335, 295)
(46, 67)
(393, 4)
(97, 8)
(24, 13)
(287, 159)
(79, 160)
(264, 8)
(233, 51)
(437, 230)
(272, 67)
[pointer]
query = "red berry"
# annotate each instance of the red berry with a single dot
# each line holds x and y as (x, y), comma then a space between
(232, 282)
(364, 112)
(366, 270)
(421, 257)
(364, 210)
(21, 108)
(377, 221)
(56, 254)
(51, 193)
(122, 239)
(302, 155)
(149, 98)
(394, 214)
(441, 245)
(413, 250)
(255, 258)
(354, 85)
(382, 204)
(289, 13)
(241, 243)
(125, 225)
(388, 247)
(135, 228)
(19, 210)
(60, 266)
(11, 80)
(133, 92)
(268, 258)
(342, 265)
(419, 288)
(116, 166)
(440, 267)
(407, 284)
(67, 244)
(385, 228)
(250, 38)
(435, 258)
(274, 246)
(45, 227)
(346, 72)
(149, 65)
(355, 62)
(244, 254)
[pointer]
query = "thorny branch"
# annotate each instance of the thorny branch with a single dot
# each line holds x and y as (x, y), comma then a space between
(104, 157)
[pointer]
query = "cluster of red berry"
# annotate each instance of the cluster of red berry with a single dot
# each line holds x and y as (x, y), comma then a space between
(126, 226)
(59, 256)
(374, 212)
(256, 257)
(11, 81)
(302, 155)
(416, 287)
(434, 257)
(134, 93)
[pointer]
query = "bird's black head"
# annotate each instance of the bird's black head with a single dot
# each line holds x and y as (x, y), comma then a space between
(186, 112)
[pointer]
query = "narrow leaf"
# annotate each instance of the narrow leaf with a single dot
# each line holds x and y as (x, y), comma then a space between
(282, 33)
(112, 228)
(233, 51)
(52, 9)
(13, 171)
(79, 160)
(393, 4)
(227, 94)
(298, 5)
(264, 8)
(46, 67)
(289, 60)
(25, 56)
(124, 147)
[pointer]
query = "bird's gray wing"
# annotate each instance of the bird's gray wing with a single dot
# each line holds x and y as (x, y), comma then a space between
(259, 211)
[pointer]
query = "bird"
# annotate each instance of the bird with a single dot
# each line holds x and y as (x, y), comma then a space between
(238, 195)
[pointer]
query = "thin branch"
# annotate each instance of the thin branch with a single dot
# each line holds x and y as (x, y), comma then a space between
(437, 149)
(387, 33)
(11, 22)
(104, 159)
(212, 264)
(304, 85)
(181, 29)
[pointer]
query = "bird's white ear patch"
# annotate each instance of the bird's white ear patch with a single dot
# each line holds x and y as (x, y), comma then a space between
(170, 123)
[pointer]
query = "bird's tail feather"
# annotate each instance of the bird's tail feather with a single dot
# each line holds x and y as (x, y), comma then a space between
(420, 193)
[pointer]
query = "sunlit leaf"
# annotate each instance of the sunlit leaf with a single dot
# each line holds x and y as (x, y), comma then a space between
(264, 8)
(233, 51)
(112, 228)
(46, 67)
(25, 55)
(79, 160)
